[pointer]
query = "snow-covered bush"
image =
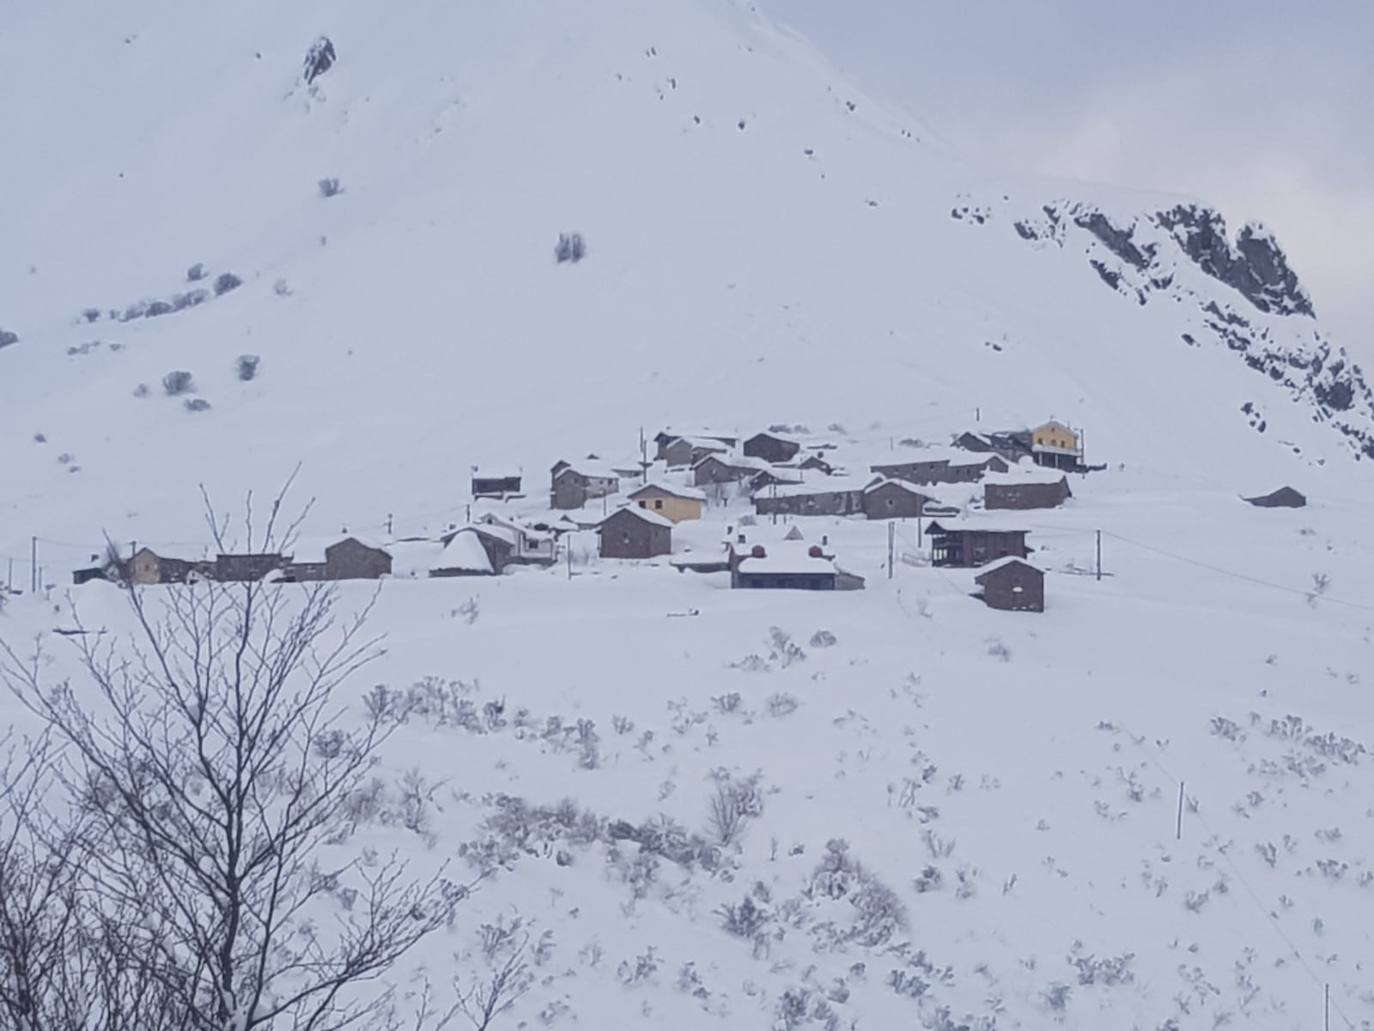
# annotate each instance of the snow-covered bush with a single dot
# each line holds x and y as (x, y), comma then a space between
(570, 248)
(330, 187)
(318, 59)
(246, 365)
(178, 381)
(7, 338)
(196, 404)
(195, 273)
(782, 704)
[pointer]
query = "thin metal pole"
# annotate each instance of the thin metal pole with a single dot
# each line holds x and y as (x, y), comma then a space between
(33, 565)
(891, 539)
(1099, 555)
(1178, 829)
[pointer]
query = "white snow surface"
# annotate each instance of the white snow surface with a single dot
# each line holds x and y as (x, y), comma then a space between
(764, 243)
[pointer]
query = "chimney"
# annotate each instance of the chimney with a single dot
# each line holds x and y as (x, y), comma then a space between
(740, 539)
(815, 551)
(825, 538)
(758, 551)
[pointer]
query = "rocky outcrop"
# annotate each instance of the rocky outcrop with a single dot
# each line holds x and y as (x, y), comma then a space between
(7, 338)
(1138, 257)
(1256, 265)
(318, 59)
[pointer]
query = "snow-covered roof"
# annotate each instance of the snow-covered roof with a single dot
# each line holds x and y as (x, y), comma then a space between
(736, 461)
(1002, 563)
(591, 468)
(1023, 474)
(464, 552)
(669, 488)
(819, 485)
(910, 488)
(992, 522)
(794, 558)
(642, 513)
(707, 443)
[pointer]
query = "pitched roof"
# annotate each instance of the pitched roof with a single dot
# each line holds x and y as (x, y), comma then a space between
(903, 485)
(1003, 563)
(823, 485)
(794, 558)
(667, 488)
(589, 468)
(464, 552)
(653, 518)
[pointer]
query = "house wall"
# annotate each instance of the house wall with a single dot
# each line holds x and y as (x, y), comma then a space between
(353, 560)
(892, 502)
(783, 581)
(844, 502)
(1054, 435)
(713, 471)
(972, 548)
(246, 568)
(770, 448)
(145, 569)
(1015, 589)
(484, 486)
(671, 507)
(1023, 496)
(629, 536)
(916, 472)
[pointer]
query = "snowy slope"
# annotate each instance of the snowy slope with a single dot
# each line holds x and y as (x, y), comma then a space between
(765, 244)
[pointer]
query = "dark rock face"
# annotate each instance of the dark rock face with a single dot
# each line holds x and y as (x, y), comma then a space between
(318, 59)
(7, 338)
(1120, 242)
(1255, 266)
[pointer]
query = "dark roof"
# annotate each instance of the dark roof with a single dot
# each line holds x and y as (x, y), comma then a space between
(1284, 497)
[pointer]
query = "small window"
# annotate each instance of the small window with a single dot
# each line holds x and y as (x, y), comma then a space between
(658, 502)
(643, 504)
(624, 538)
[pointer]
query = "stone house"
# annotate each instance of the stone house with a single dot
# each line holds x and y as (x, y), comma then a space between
(895, 499)
(634, 532)
(1019, 492)
(772, 448)
(249, 568)
(714, 469)
(351, 559)
(677, 504)
(574, 485)
(148, 567)
(688, 451)
(665, 437)
(1012, 585)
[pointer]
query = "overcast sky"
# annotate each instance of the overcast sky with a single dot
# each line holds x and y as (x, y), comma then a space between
(1264, 108)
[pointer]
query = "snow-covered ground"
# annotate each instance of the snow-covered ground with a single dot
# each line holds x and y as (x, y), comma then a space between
(964, 817)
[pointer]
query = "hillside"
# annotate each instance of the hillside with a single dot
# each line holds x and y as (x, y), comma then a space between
(764, 245)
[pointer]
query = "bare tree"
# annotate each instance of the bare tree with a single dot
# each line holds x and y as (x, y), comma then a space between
(487, 1000)
(212, 767)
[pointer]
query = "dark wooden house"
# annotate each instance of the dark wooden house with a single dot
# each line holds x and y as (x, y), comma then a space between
(720, 468)
(972, 546)
(635, 533)
(493, 486)
(894, 499)
(1012, 585)
(1284, 497)
(665, 437)
(148, 567)
(688, 451)
(351, 559)
(1012, 445)
(1027, 494)
(771, 448)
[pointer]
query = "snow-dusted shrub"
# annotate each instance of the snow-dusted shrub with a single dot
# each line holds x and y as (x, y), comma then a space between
(785, 650)
(1056, 997)
(728, 703)
(178, 381)
(246, 365)
(1110, 971)
(196, 404)
(141, 390)
(225, 282)
(90, 314)
(878, 912)
(189, 299)
(998, 649)
(782, 704)
(330, 187)
(747, 920)
(195, 273)
(7, 338)
(642, 969)
(570, 248)
(823, 639)
(731, 806)
(281, 288)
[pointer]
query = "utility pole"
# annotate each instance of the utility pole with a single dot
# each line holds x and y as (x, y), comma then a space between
(33, 565)
(9, 577)
(569, 550)
(920, 519)
(1099, 556)
(1326, 1005)
(891, 541)
(1178, 828)
(467, 513)
(388, 524)
(978, 414)
(643, 458)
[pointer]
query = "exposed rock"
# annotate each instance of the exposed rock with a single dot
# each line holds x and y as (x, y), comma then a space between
(1120, 242)
(7, 338)
(1256, 266)
(1284, 497)
(318, 59)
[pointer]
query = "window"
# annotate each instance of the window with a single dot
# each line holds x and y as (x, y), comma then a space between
(624, 538)
(643, 504)
(658, 502)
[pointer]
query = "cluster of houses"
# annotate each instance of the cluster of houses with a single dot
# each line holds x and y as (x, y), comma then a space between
(644, 500)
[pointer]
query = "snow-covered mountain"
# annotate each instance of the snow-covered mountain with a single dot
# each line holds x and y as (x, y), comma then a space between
(764, 244)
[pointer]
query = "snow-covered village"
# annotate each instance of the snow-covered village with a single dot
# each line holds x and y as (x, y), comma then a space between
(528, 516)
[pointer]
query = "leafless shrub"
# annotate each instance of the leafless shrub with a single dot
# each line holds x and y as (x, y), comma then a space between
(176, 382)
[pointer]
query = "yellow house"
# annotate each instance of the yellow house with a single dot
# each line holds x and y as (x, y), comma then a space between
(1055, 436)
(676, 503)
